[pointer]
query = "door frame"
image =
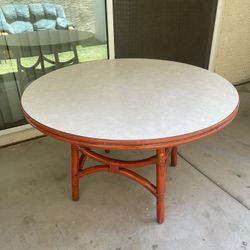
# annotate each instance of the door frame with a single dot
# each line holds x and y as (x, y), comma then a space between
(216, 34)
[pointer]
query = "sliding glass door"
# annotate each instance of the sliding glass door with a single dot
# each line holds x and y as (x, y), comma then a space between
(38, 37)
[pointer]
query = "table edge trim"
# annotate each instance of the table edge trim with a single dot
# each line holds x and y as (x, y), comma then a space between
(132, 144)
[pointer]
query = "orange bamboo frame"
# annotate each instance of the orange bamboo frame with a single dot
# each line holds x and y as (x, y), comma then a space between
(80, 151)
(80, 154)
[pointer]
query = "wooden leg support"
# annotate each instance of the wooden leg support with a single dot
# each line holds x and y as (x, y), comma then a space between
(174, 156)
(75, 172)
(79, 156)
(160, 183)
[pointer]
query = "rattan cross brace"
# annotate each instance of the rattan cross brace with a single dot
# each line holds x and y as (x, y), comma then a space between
(107, 164)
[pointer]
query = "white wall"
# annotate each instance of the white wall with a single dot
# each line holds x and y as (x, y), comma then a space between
(232, 57)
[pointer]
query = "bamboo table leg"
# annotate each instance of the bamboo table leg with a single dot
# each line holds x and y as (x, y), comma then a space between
(75, 172)
(160, 183)
(174, 156)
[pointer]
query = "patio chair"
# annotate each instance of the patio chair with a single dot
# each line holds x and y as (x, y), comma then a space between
(18, 18)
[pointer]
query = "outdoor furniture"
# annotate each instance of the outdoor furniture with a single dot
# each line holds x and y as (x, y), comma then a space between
(18, 18)
(129, 104)
(42, 43)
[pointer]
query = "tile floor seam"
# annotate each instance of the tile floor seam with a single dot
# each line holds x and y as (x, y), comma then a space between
(242, 83)
(214, 182)
(22, 141)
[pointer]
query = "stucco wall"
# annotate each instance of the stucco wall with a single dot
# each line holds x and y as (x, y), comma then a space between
(233, 51)
(80, 12)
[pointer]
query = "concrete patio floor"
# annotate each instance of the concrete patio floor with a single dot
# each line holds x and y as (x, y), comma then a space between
(207, 198)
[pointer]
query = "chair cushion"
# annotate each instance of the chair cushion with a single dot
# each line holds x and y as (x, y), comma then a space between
(62, 23)
(60, 11)
(4, 26)
(9, 12)
(44, 24)
(49, 11)
(36, 11)
(21, 26)
(22, 11)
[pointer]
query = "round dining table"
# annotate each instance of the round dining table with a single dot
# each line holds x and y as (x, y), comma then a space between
(129, 104)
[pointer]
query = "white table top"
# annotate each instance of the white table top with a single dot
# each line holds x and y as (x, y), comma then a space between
(130, 99)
